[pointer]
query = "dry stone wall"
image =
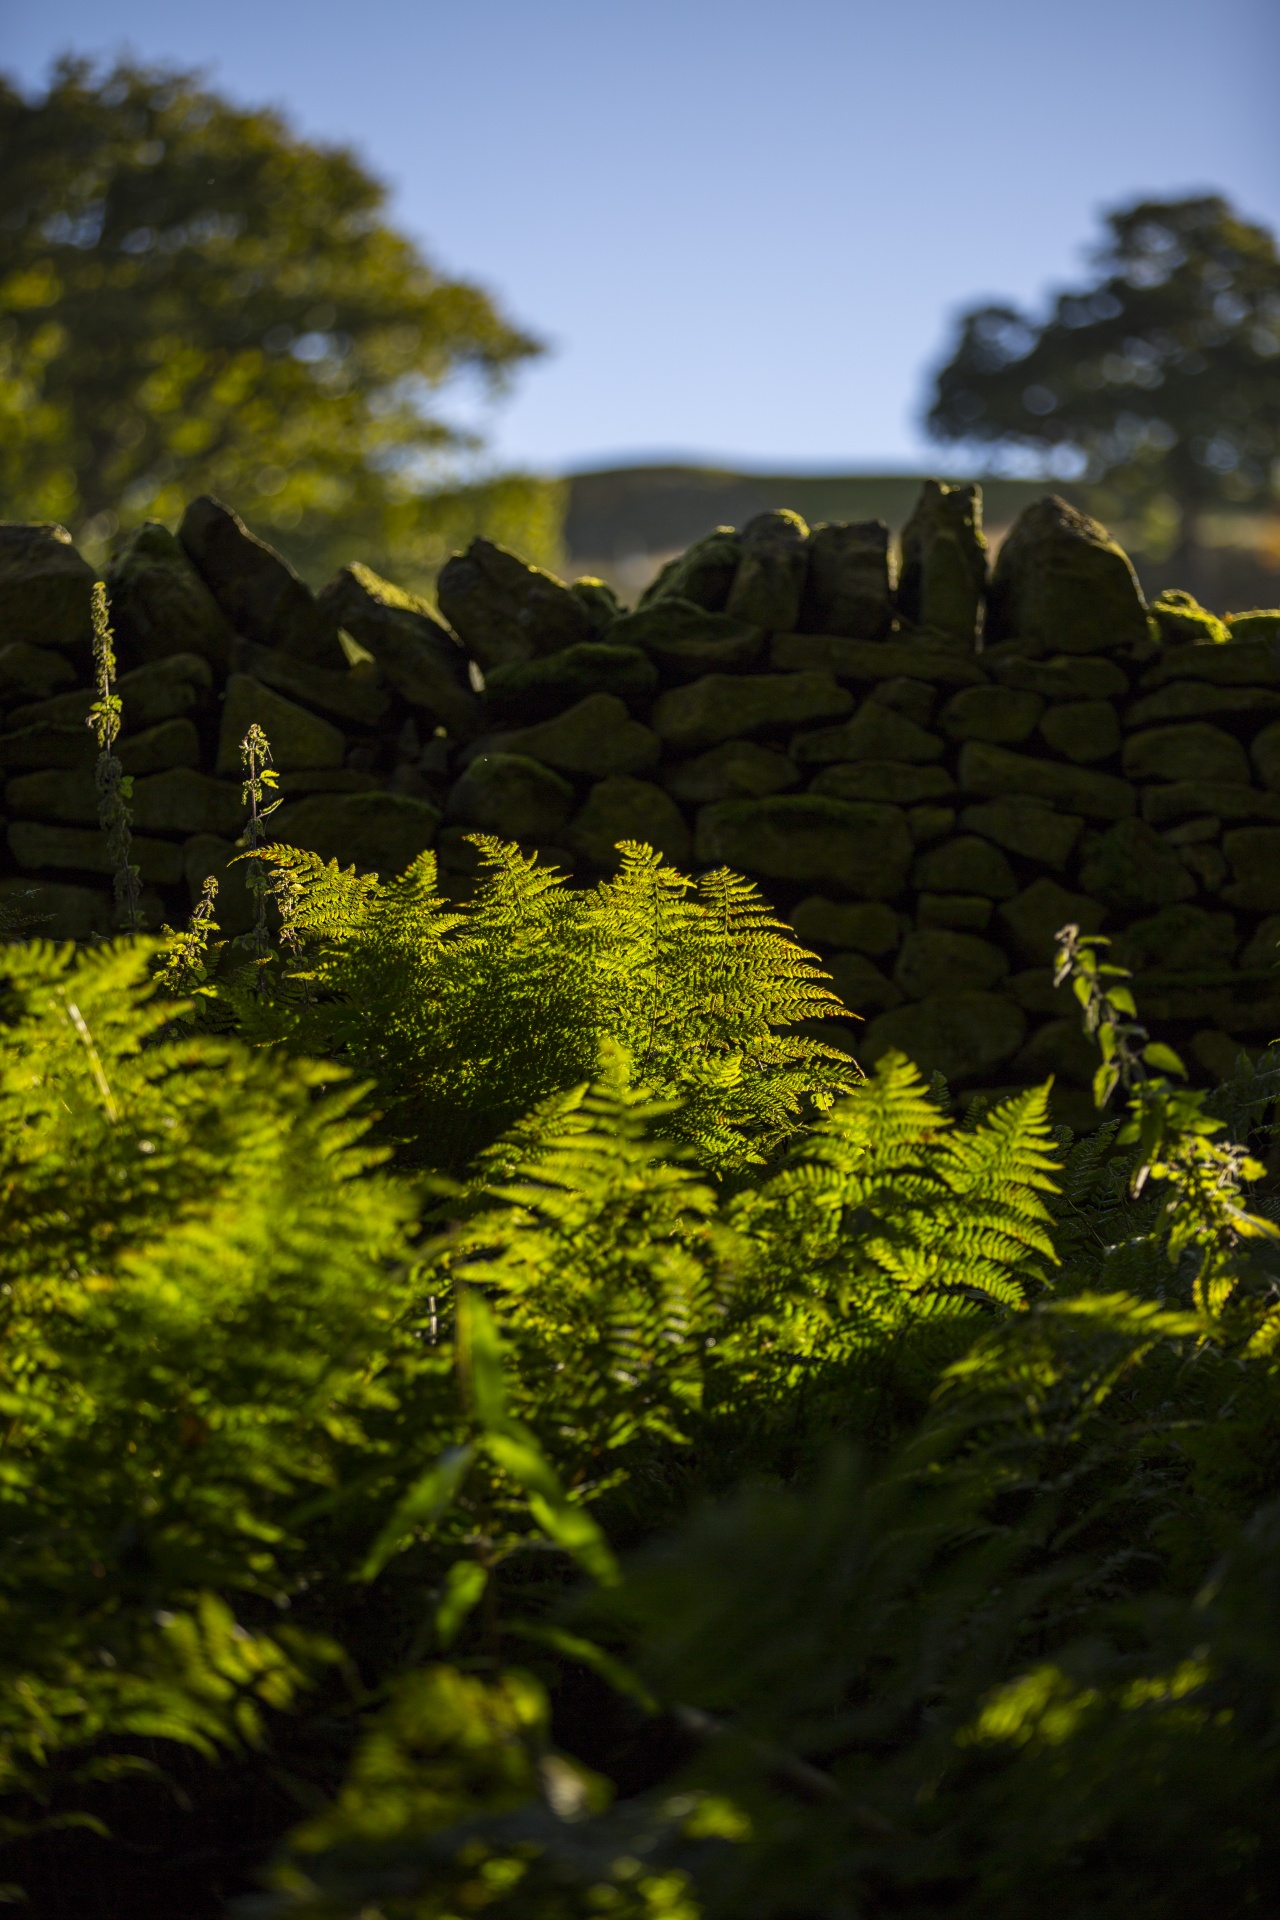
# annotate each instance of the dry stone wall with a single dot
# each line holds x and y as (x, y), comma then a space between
(928, 777)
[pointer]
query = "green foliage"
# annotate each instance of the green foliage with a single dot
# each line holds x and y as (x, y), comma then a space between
(1162, 376)
(196, 300)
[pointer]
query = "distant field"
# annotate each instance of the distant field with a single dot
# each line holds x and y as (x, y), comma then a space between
(623, 522)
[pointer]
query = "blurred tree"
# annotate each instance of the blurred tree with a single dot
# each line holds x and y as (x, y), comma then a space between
(1159, 381)
(193, 299)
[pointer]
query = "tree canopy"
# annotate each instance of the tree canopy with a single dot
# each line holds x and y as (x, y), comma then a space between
(195, 299)
(1161, 375)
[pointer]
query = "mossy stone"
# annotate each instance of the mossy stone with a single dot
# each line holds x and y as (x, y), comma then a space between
(1265, 753)
(1001, 714)
(34, 909)
(738, 770)
(1254, 857)
(1063, 584)
(724, 706)
(1192, 700)
(927, 824)
(847, 585)
(868, 926)
(963, 1036)
(1260, 623)
(1184, 939)
(876, 732)
(298, 738)
(180, 800)
(512, 796)
(1062, 678)
(1082, 730)
(860, 985)
(1062, 1048)
(538, 689)
(769, 582)
(36, 846)
(174, 743)
(944, 562)
(871, 660)
(356, 695)
(913, 699)
(848, 846)
(33, 673)
(1246, 662)
(1026, 827)
(1034, 916)
(966, 865)
(1226, 800)
(31, 749)
(1194, 751)
(891, 780)
(596, 737)
(162, 690)
(686, 641)
(601, 602)
(504, 610)
(1263, 948)
(957, 912)
(999, 774)
(67, 796)
(419, 658)
(702, 574)
(1206, 865)
(46, 588)
(374, 832)
(936, 960)
(626, 809)
(1181, 621)
(1131, 868)
(258, 592)
(159, 603)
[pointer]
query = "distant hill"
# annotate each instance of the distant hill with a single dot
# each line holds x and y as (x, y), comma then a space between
(623, 522)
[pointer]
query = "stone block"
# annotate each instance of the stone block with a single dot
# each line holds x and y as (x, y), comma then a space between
(1028, 828)
(871, 660)
(868, 926)
(298, 738)
(1192, 832)
(847, 585)
(1263, 947)
(1083, 677)
(1206, 865)
(738, 770)
(1244, 663)
(51, 910)
(1061, 582)
(1082, 730)
(596, 737)
(1192, 751)
(876, 732)
(936, 960)
(724, 706)
(1062, 1048)
(327, 780)
(259, 593)
(375, 832)
(860, 985)
(33, 748)
(36, 846)
(160, 605)
(1181, 939)
(963, 1036)
(504, 610)
(957, 912)
(622, 808)
(999, 774)
(185, 802)
(33, 673)
(1254, 857)
(893, 780)
(1193, 700)
(686, 641)
(913, 699)
(927, 824)
(419, 657)
(1265, 753)
(703, 573)
(1260, 623)
(1181, 621)
(601, 602)
(1224, 799)
(1035, 915)
(943, 568)
(174, 743)
(769, 583)
(539, 689)
(67, 796)
(162, 690)
(1130, 868)
(846, 846)
(511, 796)
(1218, 1053)
(356, 696)
(966, 865)
(46, 588)
(1035, 992)
(1004, 715)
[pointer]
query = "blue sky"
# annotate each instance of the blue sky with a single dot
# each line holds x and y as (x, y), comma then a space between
(742, 228)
